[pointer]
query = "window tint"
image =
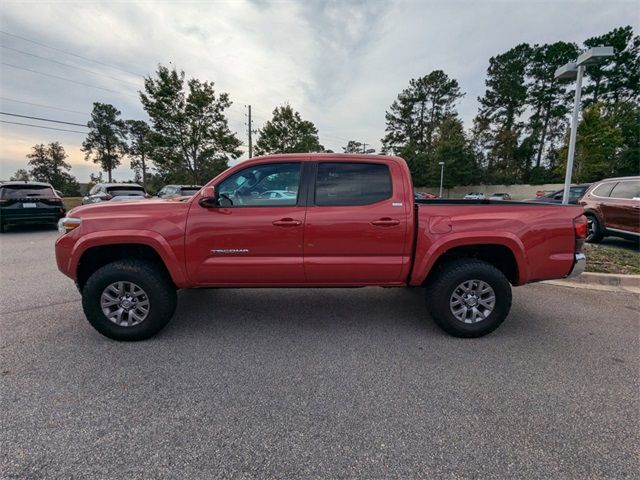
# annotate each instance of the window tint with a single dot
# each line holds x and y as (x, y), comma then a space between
(603, 190)
(352, 183)
(626, 189)
(125, 190)
(26, 191)
(247, 188)
(576, 192)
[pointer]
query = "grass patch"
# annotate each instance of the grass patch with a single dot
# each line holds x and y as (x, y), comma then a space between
(605, 259)
(71, 202)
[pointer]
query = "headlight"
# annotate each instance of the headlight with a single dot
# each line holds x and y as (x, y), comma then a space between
(66, 224)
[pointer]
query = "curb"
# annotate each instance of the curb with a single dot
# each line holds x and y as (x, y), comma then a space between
(602, 281)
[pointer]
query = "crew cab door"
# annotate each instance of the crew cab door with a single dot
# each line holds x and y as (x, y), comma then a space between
(249, 238)
(356, 224)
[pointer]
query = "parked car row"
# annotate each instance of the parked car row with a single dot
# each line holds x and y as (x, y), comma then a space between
(120, 192)
(481, 196)
(612, 206)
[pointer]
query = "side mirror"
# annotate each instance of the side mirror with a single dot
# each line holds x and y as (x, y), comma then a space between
(208, 197)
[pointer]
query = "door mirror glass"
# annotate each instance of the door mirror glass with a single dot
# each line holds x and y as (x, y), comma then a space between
(208, 198)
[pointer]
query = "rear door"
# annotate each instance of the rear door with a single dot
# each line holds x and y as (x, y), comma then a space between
(356, 224)
(621, 211)
(249, 239)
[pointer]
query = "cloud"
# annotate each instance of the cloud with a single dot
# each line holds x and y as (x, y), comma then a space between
(340, 63)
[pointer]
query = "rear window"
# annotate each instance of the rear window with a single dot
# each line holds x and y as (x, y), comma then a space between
(125, 190)
(352, 183)
(26, 191)
(603, 190)
(626, 189)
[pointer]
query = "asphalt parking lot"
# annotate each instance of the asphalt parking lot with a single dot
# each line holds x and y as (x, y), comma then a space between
(330, 383)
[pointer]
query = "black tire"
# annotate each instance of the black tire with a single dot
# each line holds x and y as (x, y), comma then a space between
(594, 229)
(158, 289)
(444, 282)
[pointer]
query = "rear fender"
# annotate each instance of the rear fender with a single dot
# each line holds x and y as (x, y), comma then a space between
(427, 254)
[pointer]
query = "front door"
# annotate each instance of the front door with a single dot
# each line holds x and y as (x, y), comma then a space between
(254, 236)
(356, 225)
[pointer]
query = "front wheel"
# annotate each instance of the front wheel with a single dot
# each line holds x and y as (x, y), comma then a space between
(129, 300)
(468, 297)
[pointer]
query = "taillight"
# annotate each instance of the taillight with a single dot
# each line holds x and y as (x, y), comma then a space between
(580, 230)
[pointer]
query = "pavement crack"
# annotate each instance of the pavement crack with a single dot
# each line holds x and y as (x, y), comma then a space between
(27, 309)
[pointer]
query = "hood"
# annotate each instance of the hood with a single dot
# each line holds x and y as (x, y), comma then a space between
(129, 207)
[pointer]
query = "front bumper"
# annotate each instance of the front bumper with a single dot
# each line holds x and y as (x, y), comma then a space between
(579, 264)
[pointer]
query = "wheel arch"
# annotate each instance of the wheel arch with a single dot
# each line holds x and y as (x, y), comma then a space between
(93, 252)
(506, 255)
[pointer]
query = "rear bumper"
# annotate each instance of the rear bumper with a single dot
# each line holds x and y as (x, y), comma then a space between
(22, 218)
(579, 264)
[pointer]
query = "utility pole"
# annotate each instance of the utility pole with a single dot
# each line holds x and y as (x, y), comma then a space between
(364, 147)
(250, 132)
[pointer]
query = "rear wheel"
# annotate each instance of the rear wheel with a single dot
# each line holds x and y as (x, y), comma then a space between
(129, 300)
(468, 297)
(594, 229)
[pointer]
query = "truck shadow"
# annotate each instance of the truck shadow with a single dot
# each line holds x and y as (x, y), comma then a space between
(286, 310)
(22, 229)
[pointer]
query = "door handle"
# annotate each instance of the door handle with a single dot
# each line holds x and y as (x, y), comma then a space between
(287, 222)
(385, 222)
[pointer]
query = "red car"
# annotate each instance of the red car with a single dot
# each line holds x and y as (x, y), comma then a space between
(612, 207)
(353, 222)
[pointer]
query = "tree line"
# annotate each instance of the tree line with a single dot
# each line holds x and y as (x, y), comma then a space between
(519, 135)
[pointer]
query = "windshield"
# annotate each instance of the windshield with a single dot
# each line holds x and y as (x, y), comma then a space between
(125, 190)
(26, 191)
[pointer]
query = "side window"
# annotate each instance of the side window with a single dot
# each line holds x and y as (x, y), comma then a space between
(352, 183)
(247, 188)
(575, 193)
(626, 189)
(603, 190)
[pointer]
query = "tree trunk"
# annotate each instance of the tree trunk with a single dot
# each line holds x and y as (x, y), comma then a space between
(543, 135)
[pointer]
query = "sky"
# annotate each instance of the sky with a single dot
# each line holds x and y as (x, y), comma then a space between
(339, 63)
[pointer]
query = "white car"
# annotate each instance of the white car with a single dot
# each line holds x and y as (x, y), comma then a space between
(474, 196)
(278, 194)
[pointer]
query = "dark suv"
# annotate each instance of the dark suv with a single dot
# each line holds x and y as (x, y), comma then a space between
(29, 202)
(612, 207)
(575, 194)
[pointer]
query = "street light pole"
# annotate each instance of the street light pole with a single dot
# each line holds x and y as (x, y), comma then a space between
(441, 176)
(572, 137)
(575, 70)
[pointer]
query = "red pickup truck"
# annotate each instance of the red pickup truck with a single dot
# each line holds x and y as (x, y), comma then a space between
(314, 220)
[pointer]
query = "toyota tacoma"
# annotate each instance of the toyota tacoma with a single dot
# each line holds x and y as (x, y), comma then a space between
(340, 221)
